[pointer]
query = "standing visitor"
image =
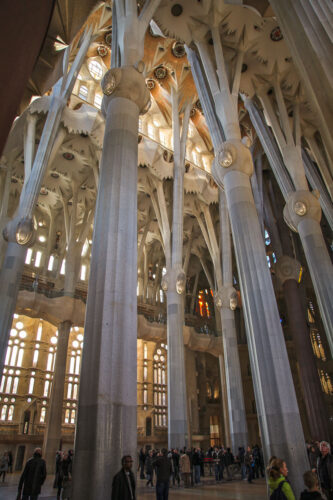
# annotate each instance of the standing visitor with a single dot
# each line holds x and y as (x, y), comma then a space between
(4, 465)
(123, 484)
(277, 481)
(149, 468)
(185, 468)
(163, 473)
(249, 462)
(325, 469)
(33, 477)
(196, 465)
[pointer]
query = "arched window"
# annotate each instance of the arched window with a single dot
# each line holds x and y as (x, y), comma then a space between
(10, 412)
(160, 387)
(3, 412)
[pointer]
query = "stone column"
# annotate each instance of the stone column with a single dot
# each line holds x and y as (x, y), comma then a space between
(287, 272)
(10, 276)
(302, 213)
(279, 420)
(305, 35)
(52, 435)
(301, 206)
(106, 427)
(177, 407)
(317, 184)
(20, 230)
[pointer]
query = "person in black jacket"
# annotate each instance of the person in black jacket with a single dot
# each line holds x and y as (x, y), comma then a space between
(123, 484)
(32, 477)
(163, 472)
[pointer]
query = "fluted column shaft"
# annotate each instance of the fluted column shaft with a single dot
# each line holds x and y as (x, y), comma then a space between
(279, 419)
(303, 213)
(106, 428)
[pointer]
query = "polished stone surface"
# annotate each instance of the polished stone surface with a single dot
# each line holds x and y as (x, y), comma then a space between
(232, 490)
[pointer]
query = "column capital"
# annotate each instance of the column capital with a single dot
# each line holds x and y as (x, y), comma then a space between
(20, 230)
(226, 298)
(232, 155)
(287, 268)
(301, 205)
(127, 82)
(174, 279)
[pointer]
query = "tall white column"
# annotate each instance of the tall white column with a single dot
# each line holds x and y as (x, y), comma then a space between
(279, 420)
(106, 427)
(234, 385)
(303, 213)
(305, 35)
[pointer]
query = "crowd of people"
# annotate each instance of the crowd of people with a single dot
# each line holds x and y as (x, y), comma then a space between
(162, 469)
(187, 467)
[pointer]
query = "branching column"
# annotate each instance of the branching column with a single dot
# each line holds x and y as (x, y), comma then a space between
(302, 211)
(279, 420)
(20, 231)
(174, 282)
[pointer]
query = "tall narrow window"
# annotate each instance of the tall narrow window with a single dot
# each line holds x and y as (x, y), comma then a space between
(9, 385)
(51, 263)
(49, 362)
(8, 355)
(38, 258)
(160, 387)
(31, 384)
(42, 415)
(46, 388)
(77, 365)
(72, 363)
(83, 272)
(63, 267)
(15, 385)
(35, 358)
(39, 332)
(10, 412)
(3, 412)
(28, 256)
(20, 357)
(14, 356)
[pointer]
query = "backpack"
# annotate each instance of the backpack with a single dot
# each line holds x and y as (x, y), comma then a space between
(278, 493)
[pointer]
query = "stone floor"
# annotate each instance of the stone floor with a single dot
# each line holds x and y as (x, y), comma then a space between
(232, 490)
